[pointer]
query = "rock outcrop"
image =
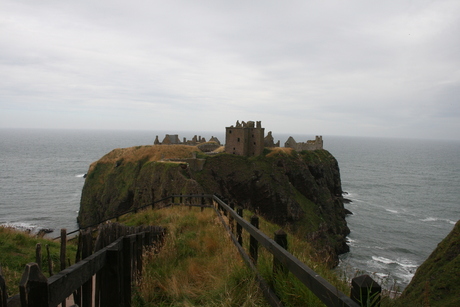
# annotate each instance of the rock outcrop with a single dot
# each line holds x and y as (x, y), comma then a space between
(298, 191)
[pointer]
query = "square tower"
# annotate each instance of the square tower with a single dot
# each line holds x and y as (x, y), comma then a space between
(245, 139)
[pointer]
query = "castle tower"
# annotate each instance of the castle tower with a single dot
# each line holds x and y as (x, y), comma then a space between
(245, 139)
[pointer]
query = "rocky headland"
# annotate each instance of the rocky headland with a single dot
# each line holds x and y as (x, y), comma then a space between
(300, 191)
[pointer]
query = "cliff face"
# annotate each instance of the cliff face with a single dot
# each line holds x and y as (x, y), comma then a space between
(437, 281)
(299, 191)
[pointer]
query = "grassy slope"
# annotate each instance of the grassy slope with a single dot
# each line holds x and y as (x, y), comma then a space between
(199, 266)
(437, 281)
(18, 248)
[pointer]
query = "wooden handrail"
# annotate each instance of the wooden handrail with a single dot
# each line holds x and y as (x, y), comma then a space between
(327, 293)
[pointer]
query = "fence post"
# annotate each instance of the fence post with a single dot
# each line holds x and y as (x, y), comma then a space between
(38, 255)
(3, 293)
(230, 218)
(202, 202)
(50, 262)
(87, 288)
(127, 267)
(33, 287)
(239, 228)
(180, 198)
(63, 247)
(139, 248)
(111, 288)
(253, 244)
(281, 239)
(365, 291)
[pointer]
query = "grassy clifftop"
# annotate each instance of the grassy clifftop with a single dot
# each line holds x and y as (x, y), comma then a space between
(299, 191)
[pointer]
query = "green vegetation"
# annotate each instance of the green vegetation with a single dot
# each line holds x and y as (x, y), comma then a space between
(437, 281)
(298, 191)
(18, 248)
(199, 266)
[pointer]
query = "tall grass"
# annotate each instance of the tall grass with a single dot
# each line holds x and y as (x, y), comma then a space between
(18, 248)
(197, 266)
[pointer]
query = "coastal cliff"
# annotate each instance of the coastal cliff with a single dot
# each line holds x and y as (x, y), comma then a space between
(300, 191)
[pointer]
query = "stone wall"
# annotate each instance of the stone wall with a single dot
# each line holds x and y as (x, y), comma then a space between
(245, 139)
(315, 144)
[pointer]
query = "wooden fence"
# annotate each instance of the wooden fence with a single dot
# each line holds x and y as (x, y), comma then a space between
(102, 278)
(365, 291)
(105, 277)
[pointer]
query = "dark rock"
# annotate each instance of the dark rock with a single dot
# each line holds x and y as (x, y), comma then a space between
(301, 191)
(347, 212)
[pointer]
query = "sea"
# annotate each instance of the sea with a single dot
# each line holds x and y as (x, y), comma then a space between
(404, 193)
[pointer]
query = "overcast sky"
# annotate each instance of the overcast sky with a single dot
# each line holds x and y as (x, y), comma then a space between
(357, 68)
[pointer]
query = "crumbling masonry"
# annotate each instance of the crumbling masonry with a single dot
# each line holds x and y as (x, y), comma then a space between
(243, 139)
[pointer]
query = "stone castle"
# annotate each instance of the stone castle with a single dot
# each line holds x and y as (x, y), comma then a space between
(248, 139)
(243, 139)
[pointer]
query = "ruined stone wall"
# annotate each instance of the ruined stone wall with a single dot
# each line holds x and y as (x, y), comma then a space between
(236, 141)
(245, 139)
(315, 144)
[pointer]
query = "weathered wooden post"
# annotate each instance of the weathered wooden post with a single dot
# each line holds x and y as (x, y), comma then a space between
(63, 253)
(230, 218)
(33, 287)
(3, 293)
(253, 244)
(281, 239)
(239, 228)
(365, 291)
(180, 198)
(87, 289)
(111, 288)
(127, 269)
(139, 248)
(38, 255)
(202, 202)
(50, 262)
(63, 247)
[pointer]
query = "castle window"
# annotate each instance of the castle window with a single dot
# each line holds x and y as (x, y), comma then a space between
(238, 139)
(229, 131)
(254, 143)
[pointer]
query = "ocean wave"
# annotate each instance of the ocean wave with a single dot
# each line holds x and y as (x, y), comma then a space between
(435, 219)
(405, 263)
(21, 226)
(391, 210)
(80, 175)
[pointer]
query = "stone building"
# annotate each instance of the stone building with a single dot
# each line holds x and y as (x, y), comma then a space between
(270, 142)
(315, 144)
(245, 139)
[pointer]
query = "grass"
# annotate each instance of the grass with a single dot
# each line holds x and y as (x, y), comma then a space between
(146, 153)
(197, 266)
(290, 290)
(18, 248)
(279, 151)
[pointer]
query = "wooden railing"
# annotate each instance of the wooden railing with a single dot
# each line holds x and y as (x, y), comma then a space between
(117, 264)
(104, 278)
(365, 291)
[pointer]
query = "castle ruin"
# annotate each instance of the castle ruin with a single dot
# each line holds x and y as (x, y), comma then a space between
(245, 139)
(315, 144)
